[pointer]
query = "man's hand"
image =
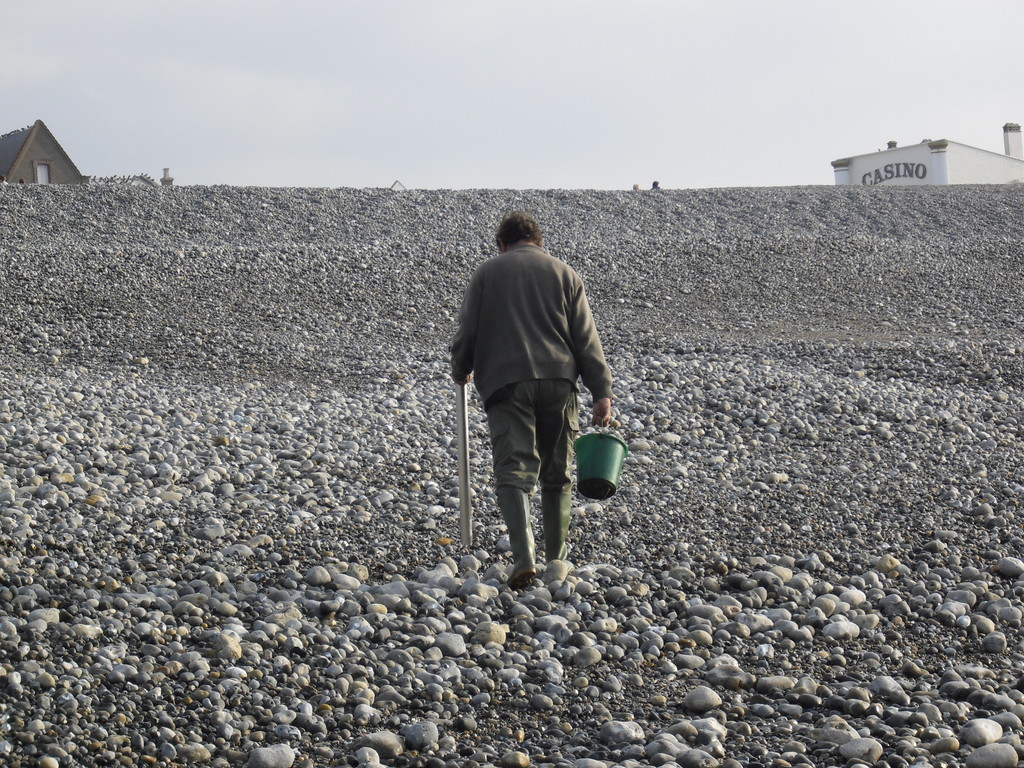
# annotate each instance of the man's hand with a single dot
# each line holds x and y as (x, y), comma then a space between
(463, 381)
(602, 412)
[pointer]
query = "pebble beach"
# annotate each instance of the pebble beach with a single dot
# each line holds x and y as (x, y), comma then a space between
(229, 505)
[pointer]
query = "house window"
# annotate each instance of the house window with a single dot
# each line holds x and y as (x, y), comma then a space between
(42, 173)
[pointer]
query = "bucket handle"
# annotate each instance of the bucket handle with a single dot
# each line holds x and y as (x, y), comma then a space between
(609, 431)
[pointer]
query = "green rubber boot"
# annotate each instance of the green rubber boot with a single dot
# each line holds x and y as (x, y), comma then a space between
(515, 509)
(556, 506)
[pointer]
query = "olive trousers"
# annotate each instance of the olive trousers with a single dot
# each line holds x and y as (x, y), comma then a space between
(532, 433)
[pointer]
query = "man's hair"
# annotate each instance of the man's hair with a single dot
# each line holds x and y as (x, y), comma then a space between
(519, 226)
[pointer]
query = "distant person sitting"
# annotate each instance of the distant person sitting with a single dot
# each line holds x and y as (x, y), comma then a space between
(656, 185)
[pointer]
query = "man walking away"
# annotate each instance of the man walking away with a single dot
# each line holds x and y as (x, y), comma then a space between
(526, 334)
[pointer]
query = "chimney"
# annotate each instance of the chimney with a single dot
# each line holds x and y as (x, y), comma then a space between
(167, 179)
(891, 145)
(1011, 141)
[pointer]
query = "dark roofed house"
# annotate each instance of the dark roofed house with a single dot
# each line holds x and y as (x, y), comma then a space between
(33, 156)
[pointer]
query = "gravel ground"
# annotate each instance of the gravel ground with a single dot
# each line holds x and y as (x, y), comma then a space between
(228, 502)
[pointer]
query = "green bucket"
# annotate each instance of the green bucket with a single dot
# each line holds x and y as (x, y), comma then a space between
(599, 459)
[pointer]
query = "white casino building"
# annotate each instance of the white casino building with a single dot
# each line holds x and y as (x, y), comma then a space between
(936, 162)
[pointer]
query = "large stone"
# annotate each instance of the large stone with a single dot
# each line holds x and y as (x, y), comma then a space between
(702, 699)
(617, 732)
(980, 731)
(387, 744)
(993, 756)
(276, 756)
(420, 736)
(865, 749)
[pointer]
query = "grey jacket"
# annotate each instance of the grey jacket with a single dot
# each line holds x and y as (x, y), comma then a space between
(525, 316)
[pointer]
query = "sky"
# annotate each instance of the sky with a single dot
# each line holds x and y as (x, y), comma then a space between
(534, 94)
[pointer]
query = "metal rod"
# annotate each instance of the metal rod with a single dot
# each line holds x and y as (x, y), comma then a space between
(465, 502)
